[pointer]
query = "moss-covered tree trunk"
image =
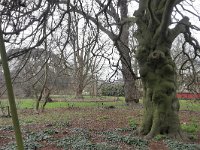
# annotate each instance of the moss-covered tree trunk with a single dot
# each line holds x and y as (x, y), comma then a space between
(158, 73)
(157, 69)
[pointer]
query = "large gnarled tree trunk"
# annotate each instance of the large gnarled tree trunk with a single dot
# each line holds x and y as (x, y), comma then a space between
(157, 69)
(158, 73)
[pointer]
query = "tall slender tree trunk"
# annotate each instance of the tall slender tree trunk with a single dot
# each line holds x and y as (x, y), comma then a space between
(11, 97)
(130, 89)
(131, 92)
(79, 92)
(129, 77)
(79, 82)
(45, 70)
(46, 99)
(79, 87)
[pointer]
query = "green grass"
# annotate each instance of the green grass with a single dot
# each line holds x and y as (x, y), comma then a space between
(132, 123)
(160, 137)
(85, 97)
(190, 128)
(30, 103)
(53, 117)
(20, 103)
(83, 104)
(62, 96)
(190, 105)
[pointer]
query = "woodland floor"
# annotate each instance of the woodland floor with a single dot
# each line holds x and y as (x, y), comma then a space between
(91, 128)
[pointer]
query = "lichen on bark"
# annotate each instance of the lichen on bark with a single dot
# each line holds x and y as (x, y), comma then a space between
(158, 76)
(157, 69)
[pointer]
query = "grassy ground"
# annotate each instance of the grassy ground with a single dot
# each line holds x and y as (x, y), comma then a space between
(69, 101)
(190, 105)
(93, 125)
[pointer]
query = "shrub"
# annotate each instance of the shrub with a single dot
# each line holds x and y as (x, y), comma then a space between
(132, 123)
(112, 90)
(191, 128)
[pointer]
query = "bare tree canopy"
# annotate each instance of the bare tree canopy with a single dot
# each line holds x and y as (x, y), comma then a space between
(111, 18)
(22, 23)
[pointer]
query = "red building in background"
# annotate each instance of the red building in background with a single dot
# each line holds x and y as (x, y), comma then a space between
(188, 96)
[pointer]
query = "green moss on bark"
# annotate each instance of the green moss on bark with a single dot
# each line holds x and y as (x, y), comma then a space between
(159, 81)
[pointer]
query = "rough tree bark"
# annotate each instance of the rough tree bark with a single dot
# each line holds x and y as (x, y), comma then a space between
(130, 89)
(157, 69)
(158, 73)
(79, 89)
(39, 98)
(46, 99)
(79, 68)
(44, 84)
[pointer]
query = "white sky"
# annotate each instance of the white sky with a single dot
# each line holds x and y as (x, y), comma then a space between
(194, 20)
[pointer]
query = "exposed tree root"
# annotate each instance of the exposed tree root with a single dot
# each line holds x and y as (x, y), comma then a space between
(136, 132)
(180, 136)
(149, 136)
(139, 132)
